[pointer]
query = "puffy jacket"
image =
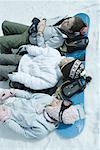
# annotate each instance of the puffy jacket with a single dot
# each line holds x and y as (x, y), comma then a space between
(51, 36)
(27, 117)
(39, 69)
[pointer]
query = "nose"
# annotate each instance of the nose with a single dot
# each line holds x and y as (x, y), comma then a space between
(67, 21)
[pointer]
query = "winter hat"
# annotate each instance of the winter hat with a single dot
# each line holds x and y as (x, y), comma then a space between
(72, 69)
(72, 114)
(78, 24)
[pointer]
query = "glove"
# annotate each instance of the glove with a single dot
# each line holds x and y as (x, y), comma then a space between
(6, 94)
(16, 76)
(13, 76)
(41, 25)
(5, 113)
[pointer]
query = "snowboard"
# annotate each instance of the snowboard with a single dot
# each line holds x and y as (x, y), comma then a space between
(70, 131)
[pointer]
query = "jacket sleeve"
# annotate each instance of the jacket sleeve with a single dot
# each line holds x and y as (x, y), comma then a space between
(18, 93)
(35, 51)
(35, 133)
(53, 42)
(23, 94)
(31, 81)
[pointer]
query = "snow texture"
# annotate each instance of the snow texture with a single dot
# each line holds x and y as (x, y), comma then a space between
(23, 12)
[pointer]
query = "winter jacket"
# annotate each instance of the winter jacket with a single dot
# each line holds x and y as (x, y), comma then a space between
(51, 36)
(27, 117)
(39, 69)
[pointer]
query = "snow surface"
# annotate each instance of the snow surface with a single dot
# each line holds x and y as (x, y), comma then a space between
(23, 12)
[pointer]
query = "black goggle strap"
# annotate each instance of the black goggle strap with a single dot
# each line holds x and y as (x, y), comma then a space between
(63, 107)
(52, 118)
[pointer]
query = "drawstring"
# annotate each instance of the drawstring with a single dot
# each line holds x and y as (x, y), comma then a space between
(87, 80)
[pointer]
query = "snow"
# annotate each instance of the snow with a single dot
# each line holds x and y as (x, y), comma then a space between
(23, 12)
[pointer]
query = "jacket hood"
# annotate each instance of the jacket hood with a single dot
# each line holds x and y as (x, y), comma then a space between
(56, 20)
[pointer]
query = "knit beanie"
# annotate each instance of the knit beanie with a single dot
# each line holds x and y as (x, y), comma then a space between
(72, 69)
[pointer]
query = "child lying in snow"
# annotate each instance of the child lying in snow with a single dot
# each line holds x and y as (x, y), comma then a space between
(40, 68)
(35, 115)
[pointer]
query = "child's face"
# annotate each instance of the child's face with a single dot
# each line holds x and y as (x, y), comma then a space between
(67, 23)
(55, 102)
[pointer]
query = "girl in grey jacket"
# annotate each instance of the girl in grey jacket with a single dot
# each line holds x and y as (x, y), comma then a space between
(35, 115)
